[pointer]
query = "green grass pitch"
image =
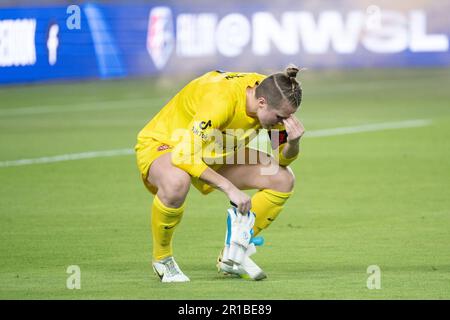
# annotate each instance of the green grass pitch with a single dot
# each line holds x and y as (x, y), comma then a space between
(369, 198)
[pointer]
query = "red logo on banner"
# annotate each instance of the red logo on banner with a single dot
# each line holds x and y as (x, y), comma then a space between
(160, 36)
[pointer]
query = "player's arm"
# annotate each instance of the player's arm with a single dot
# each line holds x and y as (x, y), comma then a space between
(213, 112)
(241, 199)
(287, 140)
(211, 117)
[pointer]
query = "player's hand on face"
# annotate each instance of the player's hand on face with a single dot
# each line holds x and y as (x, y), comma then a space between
(294, 129)
(241, 199)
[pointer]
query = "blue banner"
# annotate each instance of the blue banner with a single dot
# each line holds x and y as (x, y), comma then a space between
(108, 41)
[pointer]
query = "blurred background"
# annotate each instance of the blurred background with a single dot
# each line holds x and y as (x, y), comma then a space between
(53, 40)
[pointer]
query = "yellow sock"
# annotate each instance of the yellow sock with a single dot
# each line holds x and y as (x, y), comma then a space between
(164, 221)
(267, 204)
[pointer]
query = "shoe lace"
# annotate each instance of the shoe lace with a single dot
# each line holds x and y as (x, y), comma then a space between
(172, 268)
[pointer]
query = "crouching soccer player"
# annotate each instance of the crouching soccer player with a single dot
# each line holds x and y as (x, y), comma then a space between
(187, 142)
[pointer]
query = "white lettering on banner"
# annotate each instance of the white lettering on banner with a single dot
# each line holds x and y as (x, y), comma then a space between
(195, 34)
(420, 41)
(330, 29)
(17, 42)
(373, 18)
(204, 34)
(391, 37)
(267, 30)
(233, 34)
(52, 44)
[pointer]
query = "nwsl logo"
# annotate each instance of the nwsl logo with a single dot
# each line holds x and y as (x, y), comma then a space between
(160, 37)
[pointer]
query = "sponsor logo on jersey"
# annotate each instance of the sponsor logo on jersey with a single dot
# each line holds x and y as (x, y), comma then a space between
(164, 147)
(203, 125)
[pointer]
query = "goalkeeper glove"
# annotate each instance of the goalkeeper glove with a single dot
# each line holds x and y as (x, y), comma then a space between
(238, 235)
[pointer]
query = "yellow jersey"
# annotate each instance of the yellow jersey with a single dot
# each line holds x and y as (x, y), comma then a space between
(206, 121)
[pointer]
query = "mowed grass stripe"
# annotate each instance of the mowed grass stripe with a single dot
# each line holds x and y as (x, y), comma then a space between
(83, 107)
(311, 134)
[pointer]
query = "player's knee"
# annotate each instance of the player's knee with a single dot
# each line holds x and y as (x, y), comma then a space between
(283, 180)
(174, 189)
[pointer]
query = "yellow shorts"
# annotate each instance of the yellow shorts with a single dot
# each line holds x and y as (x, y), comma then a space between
(149, 151)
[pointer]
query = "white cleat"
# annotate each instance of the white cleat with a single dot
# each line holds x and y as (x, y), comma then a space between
(168, 271)
(230, 270)
(253, 270)
(247, 270)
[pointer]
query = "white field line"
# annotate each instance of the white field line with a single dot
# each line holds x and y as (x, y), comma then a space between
(310, 134)
(67, 157)
(127, 103)
(368, 128)
(84, 106)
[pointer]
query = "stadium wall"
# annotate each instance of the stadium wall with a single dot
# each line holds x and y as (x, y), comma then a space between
(121, 39)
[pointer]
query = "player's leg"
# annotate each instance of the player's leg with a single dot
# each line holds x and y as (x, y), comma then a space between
(172, 185)
(275, 184)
